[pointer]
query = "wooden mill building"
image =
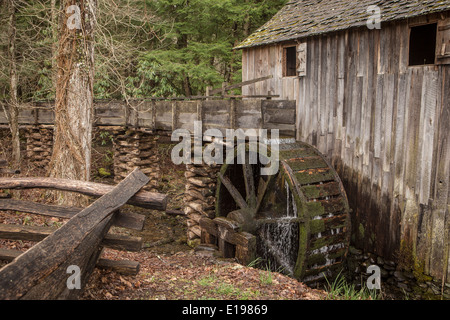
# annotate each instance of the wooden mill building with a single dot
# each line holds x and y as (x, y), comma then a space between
(374, 96)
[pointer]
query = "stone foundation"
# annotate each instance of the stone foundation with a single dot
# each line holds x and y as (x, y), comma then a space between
(200, 200)
(135, 149)
(394, 280)
(39, 145)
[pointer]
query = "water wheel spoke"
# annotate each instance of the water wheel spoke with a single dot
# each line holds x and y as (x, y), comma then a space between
(262, 190)
(249, 185)
(233, 192)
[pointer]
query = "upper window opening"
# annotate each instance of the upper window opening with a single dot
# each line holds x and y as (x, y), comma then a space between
(422, 45)
(290, 67)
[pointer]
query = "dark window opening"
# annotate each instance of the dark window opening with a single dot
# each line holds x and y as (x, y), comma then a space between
(290, 68)
(422, 45)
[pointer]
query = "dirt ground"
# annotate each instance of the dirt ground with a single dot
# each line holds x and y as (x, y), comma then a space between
(169, 268)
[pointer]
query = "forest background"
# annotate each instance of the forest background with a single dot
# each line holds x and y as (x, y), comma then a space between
(143, 48)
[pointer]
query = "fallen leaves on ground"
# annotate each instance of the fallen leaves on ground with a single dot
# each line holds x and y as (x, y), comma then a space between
(191, 276)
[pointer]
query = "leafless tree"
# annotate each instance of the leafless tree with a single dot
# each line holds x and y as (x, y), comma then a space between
(12, 110)
(71, 156)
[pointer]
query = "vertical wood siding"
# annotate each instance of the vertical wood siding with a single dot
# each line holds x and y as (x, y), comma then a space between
(385, 127)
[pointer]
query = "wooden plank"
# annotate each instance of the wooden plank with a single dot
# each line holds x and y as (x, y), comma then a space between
(41, 272)
(143, 199)
(339, 125)
(249, 185)
(174, 115)
(123, 267)
(36, 234)
(378, 116)
(281, 116)
(387, 118)
(248, 114)
(240, 85)
(440, 207)
(128, 220)
(430, 92)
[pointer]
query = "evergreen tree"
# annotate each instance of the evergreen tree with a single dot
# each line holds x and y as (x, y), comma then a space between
(196, 49)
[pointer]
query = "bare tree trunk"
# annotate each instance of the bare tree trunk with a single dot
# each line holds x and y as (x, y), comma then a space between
(71, 156)
(54, 23)
(13, 109)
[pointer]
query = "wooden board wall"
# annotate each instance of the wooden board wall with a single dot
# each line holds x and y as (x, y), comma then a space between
(171, 115)
(384, 125)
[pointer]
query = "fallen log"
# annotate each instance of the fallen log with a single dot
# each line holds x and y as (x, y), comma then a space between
(122, 219)
(41, 272)
(124, 267)
(148, 200)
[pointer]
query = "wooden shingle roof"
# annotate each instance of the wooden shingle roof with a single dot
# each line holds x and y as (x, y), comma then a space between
(303, 18)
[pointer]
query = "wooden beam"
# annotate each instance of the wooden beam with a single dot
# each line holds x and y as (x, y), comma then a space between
(36, 233)
(249, 185)
(239, 85)
(211, 227)
(41, 272)
(127, 220)
(149, 200)
(233, 192)
(124, 267)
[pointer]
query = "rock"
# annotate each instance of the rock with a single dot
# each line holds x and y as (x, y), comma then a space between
(380, 261)
(436, 290)
(404, 286)
(354, 251)
(422, 285)
(390, 263)
(389, 267)
(391, 280)
(409, 275)
(384, 273)
(399, 276)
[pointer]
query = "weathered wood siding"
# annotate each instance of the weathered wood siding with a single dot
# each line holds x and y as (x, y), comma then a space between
(171, 115)
(386, 128)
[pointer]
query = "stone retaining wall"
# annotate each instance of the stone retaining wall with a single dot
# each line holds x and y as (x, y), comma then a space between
(201, 182)
(135, 149)
(39, 145)
(412, 284)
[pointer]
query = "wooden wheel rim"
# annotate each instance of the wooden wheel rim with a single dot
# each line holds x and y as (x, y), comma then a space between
(312, 189)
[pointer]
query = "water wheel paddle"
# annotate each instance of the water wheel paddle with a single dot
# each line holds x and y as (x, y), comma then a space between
(296, 220)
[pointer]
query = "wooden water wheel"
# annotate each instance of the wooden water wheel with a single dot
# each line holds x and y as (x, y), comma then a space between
(296, 220)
